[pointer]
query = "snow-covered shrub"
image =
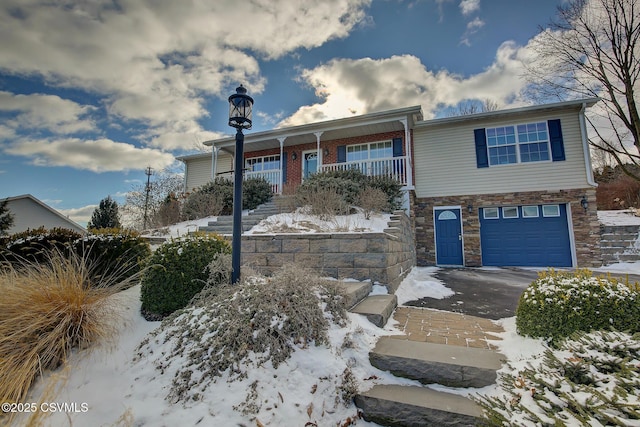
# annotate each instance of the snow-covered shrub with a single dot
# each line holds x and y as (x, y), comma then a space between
(36, 245)
(228, 329)
(176, 272)
(591, 380)
(114, 252)
(558, 304)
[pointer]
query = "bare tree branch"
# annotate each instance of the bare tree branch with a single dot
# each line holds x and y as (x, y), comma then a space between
(592, 48)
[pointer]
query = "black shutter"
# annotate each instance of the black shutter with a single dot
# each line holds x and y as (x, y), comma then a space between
(397, 147)
(555, 138)
(284, 168)
(482, 157)
(342, 154)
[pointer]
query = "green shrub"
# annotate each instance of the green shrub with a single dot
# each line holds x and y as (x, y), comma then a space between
(593, 379)
(216, 197)
(255, 191)
(36, 245)
(349, 185)
(113, 252)
(390, 187)
(176, 272)
(213, 198)
(558, 304)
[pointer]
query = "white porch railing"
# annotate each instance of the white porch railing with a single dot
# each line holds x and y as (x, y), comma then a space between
(394, 167)
(271, 176)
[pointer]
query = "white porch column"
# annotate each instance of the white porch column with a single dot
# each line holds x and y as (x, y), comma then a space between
(214, 162)
(318, 135)
(407, 149)
(281, 184)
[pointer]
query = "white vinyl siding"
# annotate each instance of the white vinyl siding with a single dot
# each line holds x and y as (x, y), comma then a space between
(445, 159)
(28, 214)
(199, 169)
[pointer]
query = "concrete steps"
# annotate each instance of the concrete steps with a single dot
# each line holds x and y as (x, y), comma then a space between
(224, 224)
(430, 363)
(377, 308)
(355, 291)
(396, 405)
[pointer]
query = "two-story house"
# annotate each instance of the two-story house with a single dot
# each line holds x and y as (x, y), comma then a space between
(503, 188)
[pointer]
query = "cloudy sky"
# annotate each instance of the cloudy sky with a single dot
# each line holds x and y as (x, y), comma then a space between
(94, 91)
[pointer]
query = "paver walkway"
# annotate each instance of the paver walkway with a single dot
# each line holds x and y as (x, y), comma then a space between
(443, 327)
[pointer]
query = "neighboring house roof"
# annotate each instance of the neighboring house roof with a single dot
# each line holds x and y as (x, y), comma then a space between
(31, 213)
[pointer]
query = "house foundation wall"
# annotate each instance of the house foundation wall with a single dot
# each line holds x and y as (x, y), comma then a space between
(584, 223)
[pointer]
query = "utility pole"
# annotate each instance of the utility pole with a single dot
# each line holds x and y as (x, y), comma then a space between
(148, 171)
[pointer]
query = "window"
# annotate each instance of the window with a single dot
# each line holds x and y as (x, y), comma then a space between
(510, 212)
(530, 212)
(502, 145)
(551, 210)
(490, 213)
(518, 144)
(257, 164)
(374, 150)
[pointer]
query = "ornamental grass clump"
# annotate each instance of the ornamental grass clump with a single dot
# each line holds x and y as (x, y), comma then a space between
(46, 310)
(558, 304)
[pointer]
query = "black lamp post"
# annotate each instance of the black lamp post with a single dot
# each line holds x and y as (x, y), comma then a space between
(240, 106)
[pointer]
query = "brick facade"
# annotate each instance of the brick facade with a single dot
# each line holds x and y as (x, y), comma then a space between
(294, 167)
(585, 223)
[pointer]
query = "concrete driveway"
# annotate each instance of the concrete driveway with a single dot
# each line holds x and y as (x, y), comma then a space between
(488, 293)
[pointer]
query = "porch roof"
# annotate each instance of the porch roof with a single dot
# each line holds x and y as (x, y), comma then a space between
(367, 124)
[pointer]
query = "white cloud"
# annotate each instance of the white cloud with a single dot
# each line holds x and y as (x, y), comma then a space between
(45, 112)
(473, 27)
(467, 7)
(102, 155)
(157, 63)
(358, 86)
(80, 215)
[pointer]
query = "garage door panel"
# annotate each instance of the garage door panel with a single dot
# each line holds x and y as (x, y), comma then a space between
(537, 242)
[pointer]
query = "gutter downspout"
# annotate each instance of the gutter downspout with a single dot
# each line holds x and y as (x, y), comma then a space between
(214, 161)
(585, 147)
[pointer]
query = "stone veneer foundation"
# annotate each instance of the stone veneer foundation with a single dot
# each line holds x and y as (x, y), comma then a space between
(586, 230)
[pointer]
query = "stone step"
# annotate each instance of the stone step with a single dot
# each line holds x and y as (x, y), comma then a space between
(429, 363)
(396, 405)
(355, 291)
(377, 308)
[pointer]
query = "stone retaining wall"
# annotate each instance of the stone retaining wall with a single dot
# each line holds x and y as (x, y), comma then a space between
(619, 243)
(382, 257)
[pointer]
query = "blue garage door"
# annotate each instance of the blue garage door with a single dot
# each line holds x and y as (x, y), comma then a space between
(533, 236)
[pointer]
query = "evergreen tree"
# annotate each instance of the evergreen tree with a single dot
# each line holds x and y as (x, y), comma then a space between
(6, 217)
(105, 215)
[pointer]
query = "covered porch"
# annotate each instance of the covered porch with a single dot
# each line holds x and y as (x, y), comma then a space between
(377, 144)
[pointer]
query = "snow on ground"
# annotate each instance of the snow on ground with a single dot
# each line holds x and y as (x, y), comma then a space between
(420, 283)
(301, 390)
(619, 217)
(300, 222)
(182, 228)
